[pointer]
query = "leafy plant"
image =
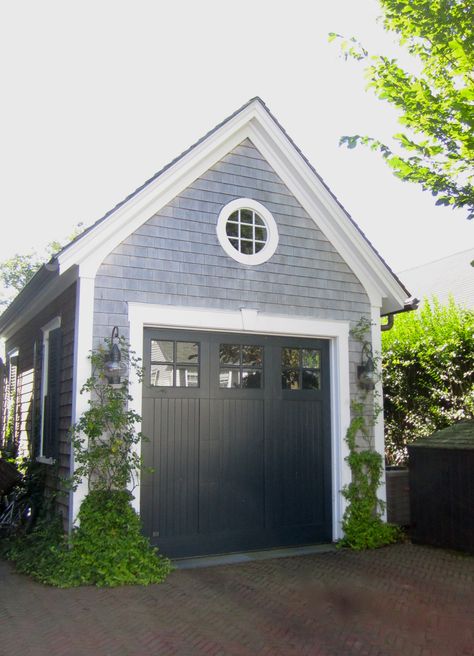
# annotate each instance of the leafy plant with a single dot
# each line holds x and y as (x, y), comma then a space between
(436, 146)
(107, 548)
(428, 372)
(104, 438)
(362, 522)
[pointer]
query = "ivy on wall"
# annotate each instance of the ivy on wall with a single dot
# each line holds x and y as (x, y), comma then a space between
(362, 523)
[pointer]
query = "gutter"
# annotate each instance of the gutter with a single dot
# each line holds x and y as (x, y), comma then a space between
(45, 285)
(410, 305)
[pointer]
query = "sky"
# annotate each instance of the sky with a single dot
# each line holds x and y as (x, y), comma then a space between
(98, 95)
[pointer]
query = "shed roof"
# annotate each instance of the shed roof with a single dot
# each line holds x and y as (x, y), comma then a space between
(458, 436)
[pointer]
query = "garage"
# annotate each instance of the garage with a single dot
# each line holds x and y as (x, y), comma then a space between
(239, 441)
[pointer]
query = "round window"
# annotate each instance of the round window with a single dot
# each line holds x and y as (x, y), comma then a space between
(247, 231)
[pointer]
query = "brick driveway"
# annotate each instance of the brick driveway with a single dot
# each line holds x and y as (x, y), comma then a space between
(399, 601)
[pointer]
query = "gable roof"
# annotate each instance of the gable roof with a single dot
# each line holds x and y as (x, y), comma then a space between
(253, 120)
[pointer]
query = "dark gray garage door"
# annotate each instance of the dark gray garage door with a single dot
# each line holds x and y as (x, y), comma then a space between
(239, 442)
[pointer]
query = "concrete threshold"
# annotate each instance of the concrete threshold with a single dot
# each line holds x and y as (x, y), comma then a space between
(250, 556)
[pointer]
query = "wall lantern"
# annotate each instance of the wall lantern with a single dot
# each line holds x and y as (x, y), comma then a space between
(114, 368)
(366, 374)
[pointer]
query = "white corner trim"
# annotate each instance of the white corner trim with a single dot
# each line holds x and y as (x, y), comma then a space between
(272, 231)
(379, 437)
(83, 343)
(247, 320)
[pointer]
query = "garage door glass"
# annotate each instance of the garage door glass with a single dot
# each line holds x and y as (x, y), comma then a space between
(240, 366)
(174, 364)
(301, 369)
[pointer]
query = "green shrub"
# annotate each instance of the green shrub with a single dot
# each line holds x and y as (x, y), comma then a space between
(428, 374)
(362, 523)
(107, 549)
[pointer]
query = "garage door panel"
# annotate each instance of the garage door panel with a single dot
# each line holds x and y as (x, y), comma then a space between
(176, 466)
(146, 479)
(295, 464)
(231, 467)
(238, 466)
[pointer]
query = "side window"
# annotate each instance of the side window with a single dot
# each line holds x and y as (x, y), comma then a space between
(300, 369)
(174, 364)
(50, 390)
(11, 406)
(240, 366)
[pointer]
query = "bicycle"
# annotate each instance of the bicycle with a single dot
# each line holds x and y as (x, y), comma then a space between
(17, 509)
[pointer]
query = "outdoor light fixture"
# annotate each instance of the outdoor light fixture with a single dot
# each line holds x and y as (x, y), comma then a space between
(366, 370)
(114, 368)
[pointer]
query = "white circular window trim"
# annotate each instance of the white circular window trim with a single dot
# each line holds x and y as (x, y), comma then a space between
(270, 224)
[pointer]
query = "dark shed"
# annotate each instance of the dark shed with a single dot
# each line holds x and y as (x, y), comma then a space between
(442, 488)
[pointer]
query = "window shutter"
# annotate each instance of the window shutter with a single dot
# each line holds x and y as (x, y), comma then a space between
(36, 398)
(51, 417)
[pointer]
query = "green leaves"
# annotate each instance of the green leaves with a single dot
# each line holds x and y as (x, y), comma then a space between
(108, 548)
(436, 105)
(428, 373)
(105, 436)
(362, 523)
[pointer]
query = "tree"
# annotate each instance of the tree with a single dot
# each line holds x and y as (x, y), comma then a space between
(436, 147)
(17, 271)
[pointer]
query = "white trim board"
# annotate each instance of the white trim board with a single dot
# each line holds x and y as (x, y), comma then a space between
(247, 321)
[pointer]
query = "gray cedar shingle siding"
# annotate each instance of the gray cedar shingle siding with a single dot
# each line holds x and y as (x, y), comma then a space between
(176, 259)
(65, 307)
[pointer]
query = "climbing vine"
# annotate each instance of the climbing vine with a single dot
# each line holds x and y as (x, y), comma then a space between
(362, 522)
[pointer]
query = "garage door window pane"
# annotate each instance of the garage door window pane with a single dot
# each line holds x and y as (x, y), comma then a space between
(310, 379)
(229, 378)
(290, 379)
(290, 358)
(187, 377)
(229, 354)
(161, 351)
(162, 375)
(251, 379)
(252, 356)
(174, 364)
(187, 352)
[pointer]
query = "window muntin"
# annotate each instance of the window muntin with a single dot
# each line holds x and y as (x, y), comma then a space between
(240, 366)
(174, 363)
(300, 369)
(247, 231)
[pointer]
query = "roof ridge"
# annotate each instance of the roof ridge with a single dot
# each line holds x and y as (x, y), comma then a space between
(439, 259)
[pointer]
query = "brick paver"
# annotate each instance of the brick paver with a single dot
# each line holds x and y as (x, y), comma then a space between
(403, 600)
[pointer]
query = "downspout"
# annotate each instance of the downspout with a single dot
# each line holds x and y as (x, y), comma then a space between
(410, 305)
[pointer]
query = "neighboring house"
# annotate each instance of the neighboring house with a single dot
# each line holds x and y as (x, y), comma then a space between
(450, 276)
(236, 275)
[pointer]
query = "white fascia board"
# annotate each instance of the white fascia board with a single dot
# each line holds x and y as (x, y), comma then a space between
(322, 207)
(46, 295)
(254, 123)
(89, 251)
